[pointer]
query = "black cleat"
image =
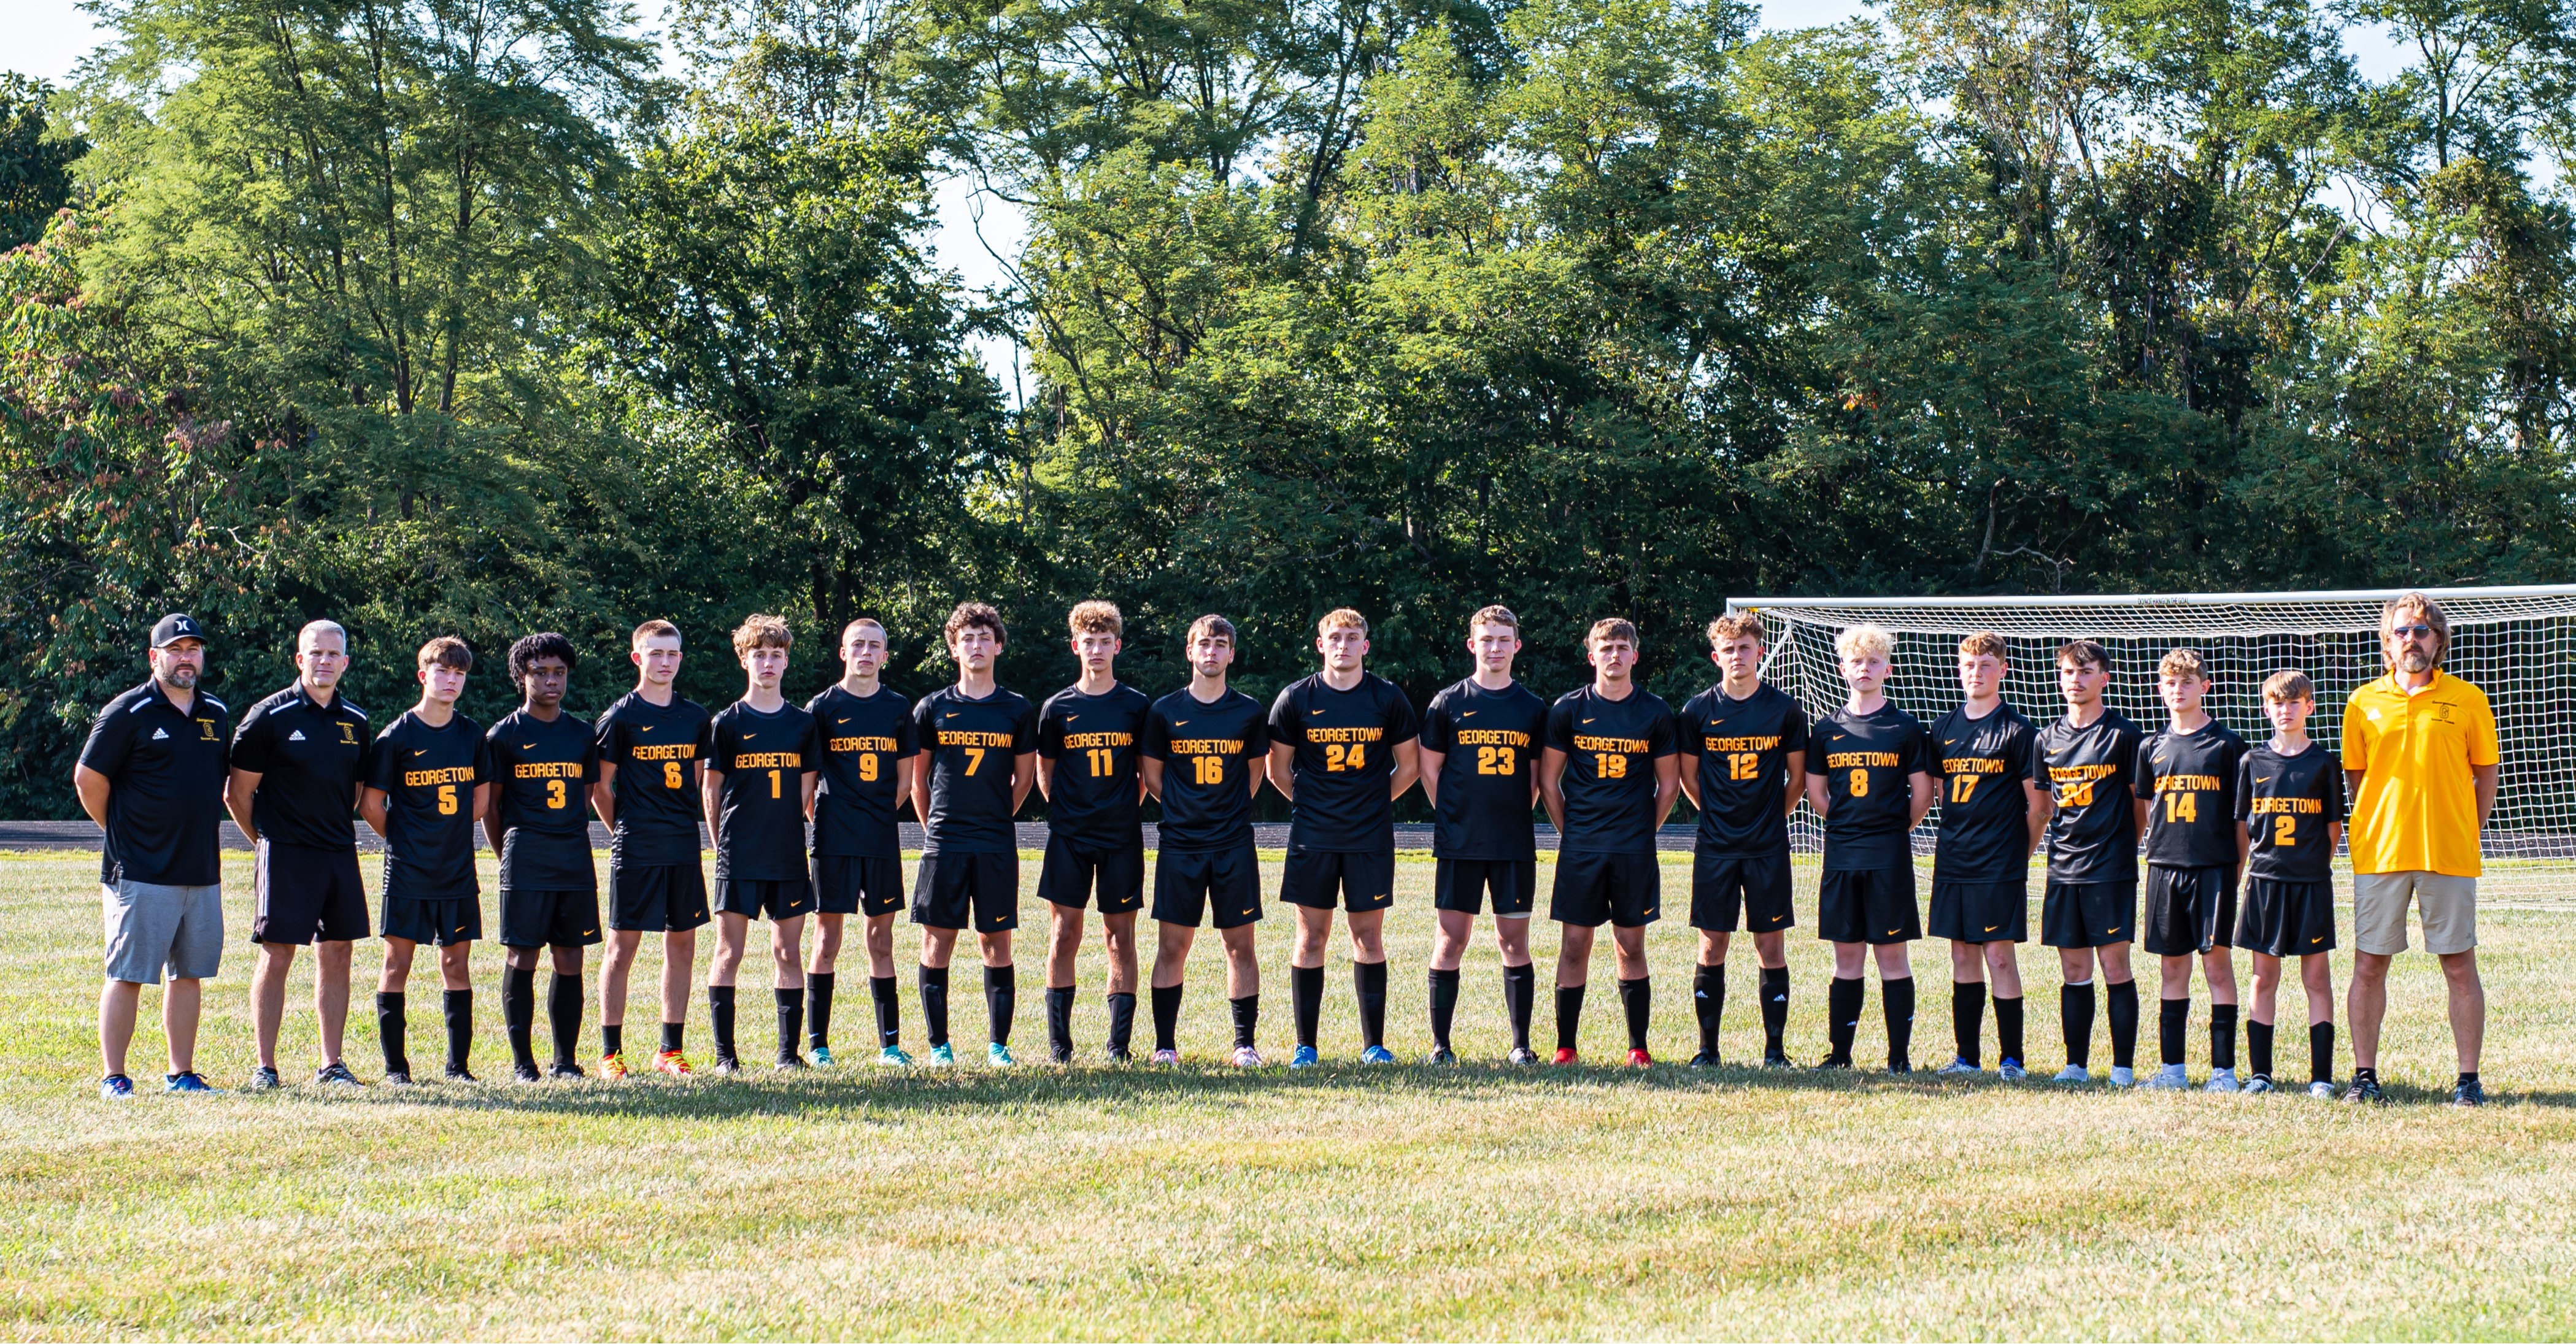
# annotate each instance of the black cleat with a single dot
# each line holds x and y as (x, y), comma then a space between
(2365, 1089)
(1835, 1062)
(336, 1075)
(1522, 1054)
(1441, 1054)
(1900, 1066)
(525, 1073)
(1060, 1052)
(564, 1068)
(398, 1078)
(790, 1063)
(1705, 1059)
(458, 1074)
(1777, 1062)
(1117, 1055)
(728, 1064)
(2469, 1093)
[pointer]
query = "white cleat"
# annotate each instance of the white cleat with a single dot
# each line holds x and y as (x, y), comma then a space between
(2121, 1077)
(2169, 1078)
(1245, 1057)
(2323, 1089)
(1959, 1067)
(2011, 1071)
(2074, 1073)
(2221, 1080)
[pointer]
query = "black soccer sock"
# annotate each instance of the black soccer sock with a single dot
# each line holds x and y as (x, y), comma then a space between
(1968, 1019)
(1059, 1011)
(1569, 1015)
(519, 1013)
(1247, 1019)
(2468, 1079)
(791, 1021)
(612, 1038)
(1708, 996)
(1520, 997)
(1001, 1001)
(2258, 1047)
(934, 1004)
(2008, 1030)
(1368, 985)
(2075, 1012)
(1444, 1004)
(1843, 999)
(818, 1009)
(2222, 1036)
(2120, 1002)
(1122, 1024)
(889, 1004)
(1637, 1001)
(720, 1020)
(673, 1034)
(459, 1004)
(563, 1015)
(2173, 1024)
(389, 1031)
(1775, 1012)
(2321, 1054)
(1899, 1011)
(1167, 1017)
(1306, 987)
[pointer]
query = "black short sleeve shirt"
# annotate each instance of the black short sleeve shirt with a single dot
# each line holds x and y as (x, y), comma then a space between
(1209, 751)
(1868, 762)
(166, 769)
(760, 803)
(1092, 798)
(2189, 782)
(1741, 749)
(428, 777)
(2286, 803)
(1984, 766)
(1610, 747)
(2092, 772)
(310, 759)
(974, 747)
(1489, 744)
(655, 750)
(1345, 742)
(541, 775)
(863, 739)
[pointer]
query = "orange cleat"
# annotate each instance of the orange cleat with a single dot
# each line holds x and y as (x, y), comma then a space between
(612, 1065)
(671, 1062)
(1565, 1055)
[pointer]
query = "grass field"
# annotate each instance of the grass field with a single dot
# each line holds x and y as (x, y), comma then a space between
(1099, 1202)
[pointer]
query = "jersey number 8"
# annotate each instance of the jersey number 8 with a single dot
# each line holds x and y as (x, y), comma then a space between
(1859, 783)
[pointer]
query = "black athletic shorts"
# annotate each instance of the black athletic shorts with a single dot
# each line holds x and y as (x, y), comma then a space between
(1981, 912)
(1868, 905)
(2286, 919)
(1363, 881)
(2088, 914)
(848, 884)
(776, 898)
(549, 918)
(663, 898)
(1729, 887)
(2189, 910)
(1187, 882)
(1596, 889)
(437, 923)
(307, 895)
(1069, 874)
(1461, 884)
(959, 891)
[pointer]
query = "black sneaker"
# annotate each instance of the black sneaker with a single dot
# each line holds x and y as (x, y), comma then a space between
(728, 1064)
(2470, 1092)
(335, 1074)
(1060, 1052)
(564, 1069)
(459, 1074)
(263, 1079)
(1900, 1066)
(1834, 1062)
(398, 1078)
(1705, 1059)
(523, 1073)
(1522, 1054)
(2365, 1089)
(790, 1063)
(1777, 1062)
(1119, 1055)
(1441, 1054)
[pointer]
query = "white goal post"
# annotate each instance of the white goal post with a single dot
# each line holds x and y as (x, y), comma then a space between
(2514, 643)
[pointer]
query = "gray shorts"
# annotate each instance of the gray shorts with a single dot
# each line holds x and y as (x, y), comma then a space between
(151, 926)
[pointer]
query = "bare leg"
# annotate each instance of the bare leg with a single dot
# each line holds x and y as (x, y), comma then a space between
(455, 966)
(2267, 990)
(996, 949)
(1368, 938)
(1118, 935)
(1895, 960)
(180, 1005)
(2003, 969)
(2468, 996)
(117, 1000)
(1172, 952)
(1712, 946)
(1242, 961)
(827, 944)
(679, 966)
(2364, 1005)
(1064, 942)
(880, 936)
(614, 968)
(1628, 946)
(732, 932)
(1449, 943)
(1511, 936)
(937, 946)
(2218, 967)
(396, 976)
(787, 951)
(1314, 927)
(268, 998)
(331, 994)
(1967, 963)
(1573, 955)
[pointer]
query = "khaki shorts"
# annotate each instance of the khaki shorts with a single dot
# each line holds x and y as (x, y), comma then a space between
(2449, 906)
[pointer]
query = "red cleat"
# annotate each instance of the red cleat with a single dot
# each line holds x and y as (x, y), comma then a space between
(1639, 1059)
(1565, 1055)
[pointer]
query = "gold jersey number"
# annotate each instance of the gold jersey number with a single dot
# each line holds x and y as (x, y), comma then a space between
(1346, 756)
(1497, 761)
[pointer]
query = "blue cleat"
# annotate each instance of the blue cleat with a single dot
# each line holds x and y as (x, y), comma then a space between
(184, 1081)
(1305, 1058)
(892, 1056)
(942, 1055)
(998, 1055)
(822, 1056)
(115, 1087)
(1377, 1054)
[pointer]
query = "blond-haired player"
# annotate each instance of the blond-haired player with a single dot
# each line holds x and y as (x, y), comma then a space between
(1869, 775)
(1992, 817)
(2195, 848)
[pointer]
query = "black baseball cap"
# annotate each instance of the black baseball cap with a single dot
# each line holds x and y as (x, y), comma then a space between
(176, 627)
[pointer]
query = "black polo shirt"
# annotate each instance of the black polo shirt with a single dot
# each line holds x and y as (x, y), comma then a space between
(166, 771)
(310, 760)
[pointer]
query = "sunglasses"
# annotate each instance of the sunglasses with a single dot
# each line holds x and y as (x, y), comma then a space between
(2412, 631)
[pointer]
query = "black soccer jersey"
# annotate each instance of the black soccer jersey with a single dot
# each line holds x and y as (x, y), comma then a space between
(1982, 766)
(428, 777)
(760, 803)
(1610, 747)
(974, 746)
(2092, 773)
(1208, 752)
(862, 741)
(1344, 742)
(655, 749)
(542, 773)
(1868, 762)
(310, 760)
(2189, 782)
(1489, 743)
(2286, 803)
(1092, 795)
(1741, 749)
(166, 768)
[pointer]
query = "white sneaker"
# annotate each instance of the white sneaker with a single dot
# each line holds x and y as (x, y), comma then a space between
(1165, 1057)
(1245, 1057)
(2257, 1085)
(1959, 1066)
(2011, 1071)
(2074, 1073)
(2221, 1080)
(2169, 1078)
(2121, 1077)
(2322, 1088)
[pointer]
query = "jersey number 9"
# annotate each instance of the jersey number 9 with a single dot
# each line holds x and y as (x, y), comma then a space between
(868, 766)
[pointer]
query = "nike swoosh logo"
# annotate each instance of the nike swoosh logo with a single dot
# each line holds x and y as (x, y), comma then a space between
(1992, 927)
(1587, 720)
(421, 752)
(840, 720)
(1247, 912)
(587, 932)
(1893, 932)
(1468, 715)
(950, 714)
(2262, 779)
(2318, 939)
(1314, 711)
(2111, 930)
(527, 746)
(748, 736)
(1180, 723)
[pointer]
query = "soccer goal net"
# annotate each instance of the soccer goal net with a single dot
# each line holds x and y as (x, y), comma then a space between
(2514, 643)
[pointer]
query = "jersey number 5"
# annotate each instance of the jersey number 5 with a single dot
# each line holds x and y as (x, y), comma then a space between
(447, 800)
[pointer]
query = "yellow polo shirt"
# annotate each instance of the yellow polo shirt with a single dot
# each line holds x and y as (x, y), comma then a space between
(2418, 806)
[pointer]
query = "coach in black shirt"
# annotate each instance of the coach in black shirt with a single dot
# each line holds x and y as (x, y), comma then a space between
(152, 775)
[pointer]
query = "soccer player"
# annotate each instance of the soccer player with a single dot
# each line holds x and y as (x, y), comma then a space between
(298, 761)
(2088, 759)
(1479, 775)
(2195, 847)
(544, 763)
(1095, 828)
(1198, 758)
(983, 746)
(1609, 774)
(653, 739)
(429, 778)
(759, 788)
(1746, 744)
(1342, 750)
(2290, 795)
(1869, 775)
(870, 753)
(1992, 817)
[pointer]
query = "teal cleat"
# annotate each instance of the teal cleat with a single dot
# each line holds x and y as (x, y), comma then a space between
(999, 1055)
(893, 1056)
(942, 1055)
